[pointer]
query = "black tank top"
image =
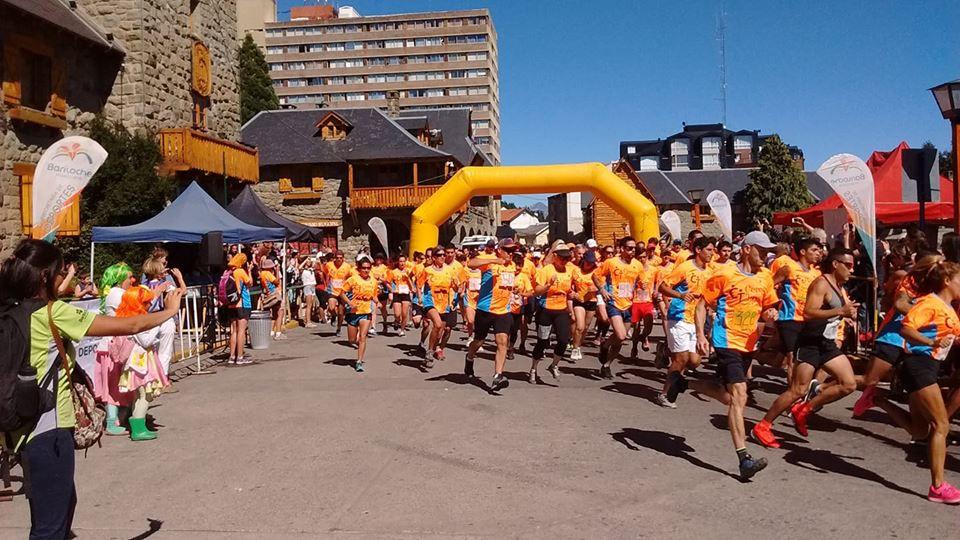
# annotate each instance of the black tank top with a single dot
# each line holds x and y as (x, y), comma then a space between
(825, 328)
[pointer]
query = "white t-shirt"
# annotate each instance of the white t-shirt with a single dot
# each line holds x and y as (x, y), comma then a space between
(308, 278)
(113, 301)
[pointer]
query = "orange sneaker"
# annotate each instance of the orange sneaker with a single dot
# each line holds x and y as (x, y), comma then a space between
(762, 434)
(800, 411)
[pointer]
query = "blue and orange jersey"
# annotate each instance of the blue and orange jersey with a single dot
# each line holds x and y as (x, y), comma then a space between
(619, 279)
(739, 299)
(793, 289)
(889, 331)
(935, 319)
(337, 276)
(472, 279)
(556, 296)
(522, 288)
(380, 272)
(686, 277)
(361, 293)
(437, 287)
(496, 286)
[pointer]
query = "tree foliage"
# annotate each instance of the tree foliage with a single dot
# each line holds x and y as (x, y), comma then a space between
(507, 205)
(776, 185)
(256, 88)
(126, 190)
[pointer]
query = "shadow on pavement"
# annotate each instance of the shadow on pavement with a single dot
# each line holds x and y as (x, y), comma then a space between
(633, 389)
(407, 362)
(667, 444)
(153, 526)
(345, 362)
(461, 379)
(824, 461)
(406, 348)
(584, 373)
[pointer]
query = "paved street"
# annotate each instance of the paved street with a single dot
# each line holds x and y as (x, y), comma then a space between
(300, 446)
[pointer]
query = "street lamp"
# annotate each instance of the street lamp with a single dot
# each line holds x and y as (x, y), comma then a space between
(948, 99)
(695, 196)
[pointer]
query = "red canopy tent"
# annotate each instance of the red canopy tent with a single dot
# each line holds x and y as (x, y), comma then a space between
(887, 169)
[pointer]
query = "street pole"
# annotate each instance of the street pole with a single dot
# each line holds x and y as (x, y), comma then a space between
(955, 125)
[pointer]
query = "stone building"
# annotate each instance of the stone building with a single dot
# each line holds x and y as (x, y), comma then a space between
(164, 68)
(336, 169)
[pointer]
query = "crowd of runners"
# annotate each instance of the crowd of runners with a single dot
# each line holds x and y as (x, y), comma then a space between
(782, 304)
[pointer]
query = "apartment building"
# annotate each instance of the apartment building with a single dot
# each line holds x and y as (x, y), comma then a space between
(700, 147)
(339, 59)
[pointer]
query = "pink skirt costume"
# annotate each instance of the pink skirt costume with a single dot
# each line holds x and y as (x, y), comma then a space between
(112, 356)
(142, 367)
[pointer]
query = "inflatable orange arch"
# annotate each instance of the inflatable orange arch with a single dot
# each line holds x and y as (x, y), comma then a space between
(517, 180)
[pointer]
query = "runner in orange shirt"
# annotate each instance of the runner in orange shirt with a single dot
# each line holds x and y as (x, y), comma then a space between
(493, 307)
(642, 309)
(336, 273)
(522, 293)
(402, 286)
(437, 285)
(584, 302)
(554, 283)
(616, 279)
(379, 272)
(359, 292)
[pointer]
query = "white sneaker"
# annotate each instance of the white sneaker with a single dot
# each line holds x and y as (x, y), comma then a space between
(664, 402)
(576, 354)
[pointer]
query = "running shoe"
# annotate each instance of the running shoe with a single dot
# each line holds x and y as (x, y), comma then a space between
(763, 435)
(372, 332)
(751, 466)
(606, 372)
(438, 354)
(865, 403)
(800, 411)
(338, 334)
(945, 494)
(554, 371)
(660, 360)
(645, 345)
(633, 352)
(813, 390)
(499, 382)
(576, 354)
(664, 402)
(420, 350)
(244, 361)
(359, 367)
(401, 333)
(532, 377)
(428, 362)
(468, 367)
(510, 354)
(678, 387)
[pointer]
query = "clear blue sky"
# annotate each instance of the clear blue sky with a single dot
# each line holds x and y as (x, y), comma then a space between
(828, 76)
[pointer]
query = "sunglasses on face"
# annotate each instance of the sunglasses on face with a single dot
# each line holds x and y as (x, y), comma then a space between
(849, 265)
(608, 253)
(365, 268)
(629, 248)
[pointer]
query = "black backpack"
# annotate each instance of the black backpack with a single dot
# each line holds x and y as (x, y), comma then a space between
(22, 399)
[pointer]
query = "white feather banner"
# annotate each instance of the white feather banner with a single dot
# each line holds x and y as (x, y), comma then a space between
(379, 228)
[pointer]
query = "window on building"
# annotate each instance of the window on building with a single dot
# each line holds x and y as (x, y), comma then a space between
(742, 142)
(434, 58)
(454, 22)
(336, 80)
(376, 61)
(295, 65)
(297, 82)
(338, 63)
(478, 90)
(274, 32)
(631, 150)
(314, 81)
(335, 46)
(435, 75)
(476, 57)
(679, 150)
(276, 67)
(481, 140)
(456, 57)
(353, 62)
(312, 31)
(416, 93)
(334, 29)
(711, 161)
(458, 74)
(457, 92)
(393, 44)
(351, 28)
(435, 92)
(353, 45)
(376, 78)
(274, 50)
(416, 59)
(354, 79)
(417, 77)
(377, 27)
(649, 163)
(376, 95)
(394, 60)
(480, 124)
(336, 97)
(711, 144)
(356, 96)
(394, 77)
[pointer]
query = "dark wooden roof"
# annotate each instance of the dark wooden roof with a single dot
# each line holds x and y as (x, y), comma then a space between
(290, 137)
(58, 13)
(454, 126)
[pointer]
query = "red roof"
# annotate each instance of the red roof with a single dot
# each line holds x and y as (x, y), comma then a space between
(509, 214)
(887, 169)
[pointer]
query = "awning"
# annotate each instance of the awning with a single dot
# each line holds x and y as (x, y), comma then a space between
(248, 208)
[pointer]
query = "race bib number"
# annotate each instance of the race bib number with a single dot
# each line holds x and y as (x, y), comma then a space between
(643, 296)
(940, 353)
(830, 332)
(336, 283)
(474, 284)
(625, 290)
(506, 280)
(403, 289)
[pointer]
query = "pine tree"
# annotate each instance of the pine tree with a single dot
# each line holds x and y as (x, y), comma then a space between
(256, 88)
(777, 185)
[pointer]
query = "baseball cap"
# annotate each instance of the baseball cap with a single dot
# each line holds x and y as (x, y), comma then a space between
(536, 254)
(507, 243)
(759, 239)
(491, 242)
(591, 243)
(267, 264)
(590, 257)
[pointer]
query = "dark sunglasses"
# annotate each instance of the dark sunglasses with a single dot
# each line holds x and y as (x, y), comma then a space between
(629, 248)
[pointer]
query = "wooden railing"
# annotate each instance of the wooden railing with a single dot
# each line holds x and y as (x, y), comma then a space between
(390, 197)
(184, 149)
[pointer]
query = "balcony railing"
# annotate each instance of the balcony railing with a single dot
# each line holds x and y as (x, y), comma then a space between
(390, 197)
(185, 149)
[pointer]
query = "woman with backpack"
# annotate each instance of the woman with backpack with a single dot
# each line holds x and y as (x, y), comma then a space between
(235, 296)
(29, 280)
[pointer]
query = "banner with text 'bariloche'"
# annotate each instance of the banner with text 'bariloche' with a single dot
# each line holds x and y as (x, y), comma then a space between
(720, 206)
(671, 221)
(63, 171)
(850, 177)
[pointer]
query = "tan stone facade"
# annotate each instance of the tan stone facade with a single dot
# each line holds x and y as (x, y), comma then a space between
(147, 88)
(435, 60)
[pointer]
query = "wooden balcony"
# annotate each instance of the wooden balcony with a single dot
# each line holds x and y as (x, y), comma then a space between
(390, 197)
(185, 149)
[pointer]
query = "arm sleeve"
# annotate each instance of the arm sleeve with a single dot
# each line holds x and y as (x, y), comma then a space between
(714, 288)
(72, 321)
(918, 317)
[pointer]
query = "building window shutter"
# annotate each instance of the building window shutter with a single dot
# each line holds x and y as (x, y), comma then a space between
(286, 185)
(317, 183)
(11, 76)
(58, 104)
(25, 172)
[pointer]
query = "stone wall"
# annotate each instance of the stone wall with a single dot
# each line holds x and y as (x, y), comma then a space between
(153, 91)
(23, 142)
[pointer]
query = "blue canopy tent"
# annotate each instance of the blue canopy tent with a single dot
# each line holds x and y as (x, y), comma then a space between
(187, 219)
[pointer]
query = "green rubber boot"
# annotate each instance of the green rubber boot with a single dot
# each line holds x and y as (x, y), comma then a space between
(139, 431)
(113, 423)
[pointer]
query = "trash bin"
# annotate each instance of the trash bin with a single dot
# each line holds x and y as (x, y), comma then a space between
(259, 328)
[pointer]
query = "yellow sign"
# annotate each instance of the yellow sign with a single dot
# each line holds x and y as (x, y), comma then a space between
(202, 79)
